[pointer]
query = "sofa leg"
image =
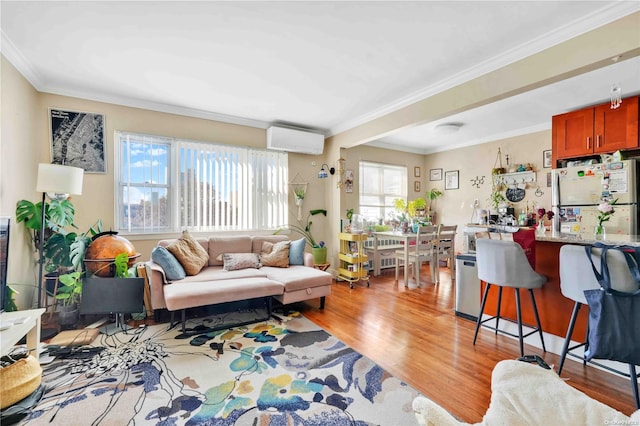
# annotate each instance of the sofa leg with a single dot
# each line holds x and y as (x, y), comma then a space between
(184, 320)
(172, 322)
(322, 302)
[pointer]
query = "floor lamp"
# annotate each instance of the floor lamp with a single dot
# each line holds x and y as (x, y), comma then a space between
(57, 182)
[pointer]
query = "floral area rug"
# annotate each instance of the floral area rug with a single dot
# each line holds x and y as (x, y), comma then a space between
(271, 373)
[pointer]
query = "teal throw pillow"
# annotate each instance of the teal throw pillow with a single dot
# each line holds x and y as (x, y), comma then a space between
(296, 252)
(173, 270)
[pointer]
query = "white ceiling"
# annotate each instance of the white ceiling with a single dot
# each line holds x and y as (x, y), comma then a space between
(325, 66)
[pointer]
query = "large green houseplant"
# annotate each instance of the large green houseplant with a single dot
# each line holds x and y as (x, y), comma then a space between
(318, 248)
(58, 215)
(62, 250)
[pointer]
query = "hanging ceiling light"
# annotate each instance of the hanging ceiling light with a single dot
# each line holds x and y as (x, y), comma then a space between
(616, 96)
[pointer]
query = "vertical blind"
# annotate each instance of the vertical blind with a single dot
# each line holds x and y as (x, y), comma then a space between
(213, 186)
(231, 188)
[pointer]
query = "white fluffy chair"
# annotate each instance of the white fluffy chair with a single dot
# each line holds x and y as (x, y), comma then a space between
(526, 394)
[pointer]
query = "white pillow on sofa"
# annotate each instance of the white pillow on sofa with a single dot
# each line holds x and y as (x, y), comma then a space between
(236, 261)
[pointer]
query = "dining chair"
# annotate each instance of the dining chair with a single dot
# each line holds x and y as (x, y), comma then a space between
(424, 250)
(446, 250)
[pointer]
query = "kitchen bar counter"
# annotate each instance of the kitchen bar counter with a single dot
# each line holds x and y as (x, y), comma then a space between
(556, 237)
(555, 309)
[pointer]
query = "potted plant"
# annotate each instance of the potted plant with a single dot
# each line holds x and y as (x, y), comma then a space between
(58, 215)
(417, 207)
(318, 248)
(497, 198)
(69, 296)
(432, 195)
(299, 192)
(402, 214)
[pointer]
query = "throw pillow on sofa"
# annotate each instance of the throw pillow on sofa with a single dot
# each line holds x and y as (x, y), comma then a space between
(173, 270)
(275, 254)
(235, 261)
(191, 255)
(296, 252)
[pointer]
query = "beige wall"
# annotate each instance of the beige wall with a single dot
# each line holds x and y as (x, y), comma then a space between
(19, 154)
(455, 206)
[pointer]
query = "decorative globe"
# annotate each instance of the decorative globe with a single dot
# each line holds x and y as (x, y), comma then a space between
(100, 256)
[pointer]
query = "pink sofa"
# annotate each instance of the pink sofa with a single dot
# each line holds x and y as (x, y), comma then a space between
(214, 285)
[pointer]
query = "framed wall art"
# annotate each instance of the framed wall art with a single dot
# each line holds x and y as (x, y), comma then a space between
(435, 174)
(546, 158)
(77, 139)
(416, 171)
(451, 179)
(416, 186)
(348, 181)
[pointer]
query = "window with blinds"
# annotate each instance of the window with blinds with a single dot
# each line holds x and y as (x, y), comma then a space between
(380, 184)
(167, 185)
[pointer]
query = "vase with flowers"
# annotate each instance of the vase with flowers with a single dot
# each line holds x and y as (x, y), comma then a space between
(542, 215)
(606, 211)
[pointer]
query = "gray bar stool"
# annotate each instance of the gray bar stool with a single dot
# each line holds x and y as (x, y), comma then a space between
(503, 263)
(576, 276)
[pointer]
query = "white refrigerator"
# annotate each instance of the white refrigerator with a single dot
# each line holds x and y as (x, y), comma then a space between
(577, 191)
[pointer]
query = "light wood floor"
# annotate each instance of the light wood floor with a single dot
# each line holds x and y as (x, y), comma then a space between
(414, 335)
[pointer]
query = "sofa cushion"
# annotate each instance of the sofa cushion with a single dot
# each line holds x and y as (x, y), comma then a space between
(191, 255)
(173, 270)
(216, 273)
(232, 244)
(256, 242)
(276, 255)
(296, 252)
(236, 261)
(183, 295)
(298, 277)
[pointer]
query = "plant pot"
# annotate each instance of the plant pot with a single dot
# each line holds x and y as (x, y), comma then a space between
(68, 315)
(319, 255)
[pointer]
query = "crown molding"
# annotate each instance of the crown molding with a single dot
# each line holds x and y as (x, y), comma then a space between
(581, 26)
(17, 59)
(158, 107)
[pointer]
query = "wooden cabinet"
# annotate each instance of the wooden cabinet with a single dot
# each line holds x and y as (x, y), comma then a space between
(352, 257)
(596, 130)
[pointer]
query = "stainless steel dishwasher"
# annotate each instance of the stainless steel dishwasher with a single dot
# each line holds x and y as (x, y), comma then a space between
(467, 287)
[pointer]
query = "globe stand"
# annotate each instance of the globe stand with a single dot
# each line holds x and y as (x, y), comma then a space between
(115, 327)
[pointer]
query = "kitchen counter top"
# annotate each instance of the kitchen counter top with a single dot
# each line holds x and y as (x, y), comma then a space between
(557, 237)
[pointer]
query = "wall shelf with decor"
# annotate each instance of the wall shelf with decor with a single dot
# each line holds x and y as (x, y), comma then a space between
(352, 258)
(515, 178)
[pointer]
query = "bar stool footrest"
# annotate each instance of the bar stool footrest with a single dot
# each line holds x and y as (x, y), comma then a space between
(508, 333)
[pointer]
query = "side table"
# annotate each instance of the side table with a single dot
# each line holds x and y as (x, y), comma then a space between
(27, 323)
(322, 266)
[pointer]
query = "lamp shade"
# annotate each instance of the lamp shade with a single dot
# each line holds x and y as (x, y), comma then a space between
(59, 179)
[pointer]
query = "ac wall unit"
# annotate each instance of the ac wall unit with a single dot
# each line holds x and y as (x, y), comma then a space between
(292, 140)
